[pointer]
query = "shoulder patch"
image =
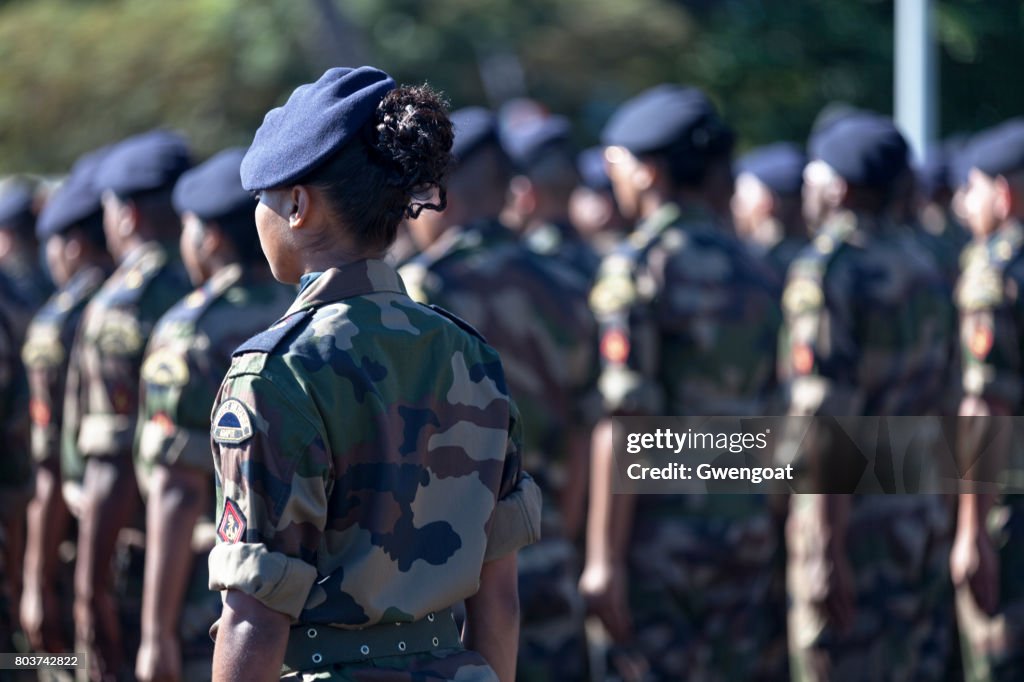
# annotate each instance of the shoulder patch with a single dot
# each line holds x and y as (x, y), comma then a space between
(267, 341)
(43, 348)
(164, 367)
(802, 295)
(612, 293)
(231, 528)
(465, 326)
(231, 423)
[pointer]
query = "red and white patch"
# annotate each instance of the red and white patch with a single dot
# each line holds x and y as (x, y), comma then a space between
(39, 411)
(803, 358)
(981, 342)
(231, 528)
(615, 346)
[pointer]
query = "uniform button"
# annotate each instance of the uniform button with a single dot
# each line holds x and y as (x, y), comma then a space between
(434, 641)
(364, 650)
(317, 658)
(311, 633)
(401, 646)
(430, 617)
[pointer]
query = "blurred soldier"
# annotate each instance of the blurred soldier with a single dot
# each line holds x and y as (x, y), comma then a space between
(934, 214)
(71, 227)
(545, 178)
(186, 360)
(988, 553)
(533, 309)
(101, 407)
(689, 321)
(766, 205)
(19, 249)
(15, 463)
(869, 331)
(593, 210)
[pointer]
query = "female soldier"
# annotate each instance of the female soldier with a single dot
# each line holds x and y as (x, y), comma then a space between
(366, 447)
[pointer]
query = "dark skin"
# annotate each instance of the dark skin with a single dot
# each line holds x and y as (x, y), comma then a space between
(299, 234)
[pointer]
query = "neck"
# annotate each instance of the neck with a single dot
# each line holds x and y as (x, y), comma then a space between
(335, 258)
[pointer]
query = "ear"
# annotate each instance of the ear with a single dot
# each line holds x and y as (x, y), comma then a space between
(212, 240)
(128, 218)
(523, 194)
(299, 210)
(73, 247)
(835, 192)
(1003, 198)
(644, 175)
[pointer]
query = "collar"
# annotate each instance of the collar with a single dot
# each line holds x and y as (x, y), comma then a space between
(370, 276)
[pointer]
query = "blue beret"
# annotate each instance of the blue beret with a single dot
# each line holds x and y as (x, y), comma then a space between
(144, 163)
(76, 200)
(527, 143)
(317, 120)
(779, 166)
(999, 151)
(864, 149)
(475, 128)
(16, 201)
(213, 189)
(590, 164)
(666, 116)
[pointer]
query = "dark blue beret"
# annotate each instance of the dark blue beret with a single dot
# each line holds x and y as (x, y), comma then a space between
(590, 164)
(16, 200)
(999, 151)
(317, 120)
(864, 149)
(213, 189)
(665, 116)
(144, 163)
(475, 128)
(76, 200)
(526, 144)
(779, 166)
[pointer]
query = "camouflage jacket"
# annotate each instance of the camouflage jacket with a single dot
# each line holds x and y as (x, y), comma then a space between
(870, 326)
(16, 461)
(561, 242)
(187, 358)
(533, 310)
(991, 307)
(688, 320)
(367, 456)
(46, 355)
(102, 397)
(28, 282)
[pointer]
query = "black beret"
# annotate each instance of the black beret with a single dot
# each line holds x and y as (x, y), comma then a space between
(864, 149)
(475, 128)
(317, 120)
(76, 200)
(999, 151)
(590, 164)
(213, 189)
(526, 144)
(665, 116)
(779, 166)
(144, 163)
(16, 201)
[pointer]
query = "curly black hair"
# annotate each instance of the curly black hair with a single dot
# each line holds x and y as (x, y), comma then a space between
(393, 168)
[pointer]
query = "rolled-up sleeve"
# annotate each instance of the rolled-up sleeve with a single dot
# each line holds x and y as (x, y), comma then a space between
(515, 521)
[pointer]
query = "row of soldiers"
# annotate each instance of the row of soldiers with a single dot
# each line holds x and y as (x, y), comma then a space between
(650, 276)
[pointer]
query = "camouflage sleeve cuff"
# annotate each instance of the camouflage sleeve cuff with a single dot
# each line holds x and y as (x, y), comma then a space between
(515, 522)
(170, 444)
(626, 390)
(280, 582)
(105, 435)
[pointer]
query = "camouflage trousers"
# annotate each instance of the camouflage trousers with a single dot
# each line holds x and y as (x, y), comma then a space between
(460, 665)
(552, 640)
(992, 648)
(898, 549)
(706, 588)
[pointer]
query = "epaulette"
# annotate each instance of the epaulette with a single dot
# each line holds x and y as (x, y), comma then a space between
(267, 341)
(465, 326)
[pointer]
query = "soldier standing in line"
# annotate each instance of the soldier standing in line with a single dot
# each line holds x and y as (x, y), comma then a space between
(988, 550)
(767, 208)
(367, 451)
(592, 207)
(533, 309)
(186, 360)
(869, 330)
(71, 227)
(689, 320)
(19, 248)
(101, 405)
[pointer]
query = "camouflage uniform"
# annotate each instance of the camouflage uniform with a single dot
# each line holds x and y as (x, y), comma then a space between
(689, 322)
(368, 463)
(869, 331)
(562, 243)
(533, 309)
(782, 253)
(991, 320)
(186, 360)
(28, 281)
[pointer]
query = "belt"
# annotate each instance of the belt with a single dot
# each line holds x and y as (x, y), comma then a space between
(318, 646)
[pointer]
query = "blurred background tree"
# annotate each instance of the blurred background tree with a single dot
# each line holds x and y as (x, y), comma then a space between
(80, 73)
